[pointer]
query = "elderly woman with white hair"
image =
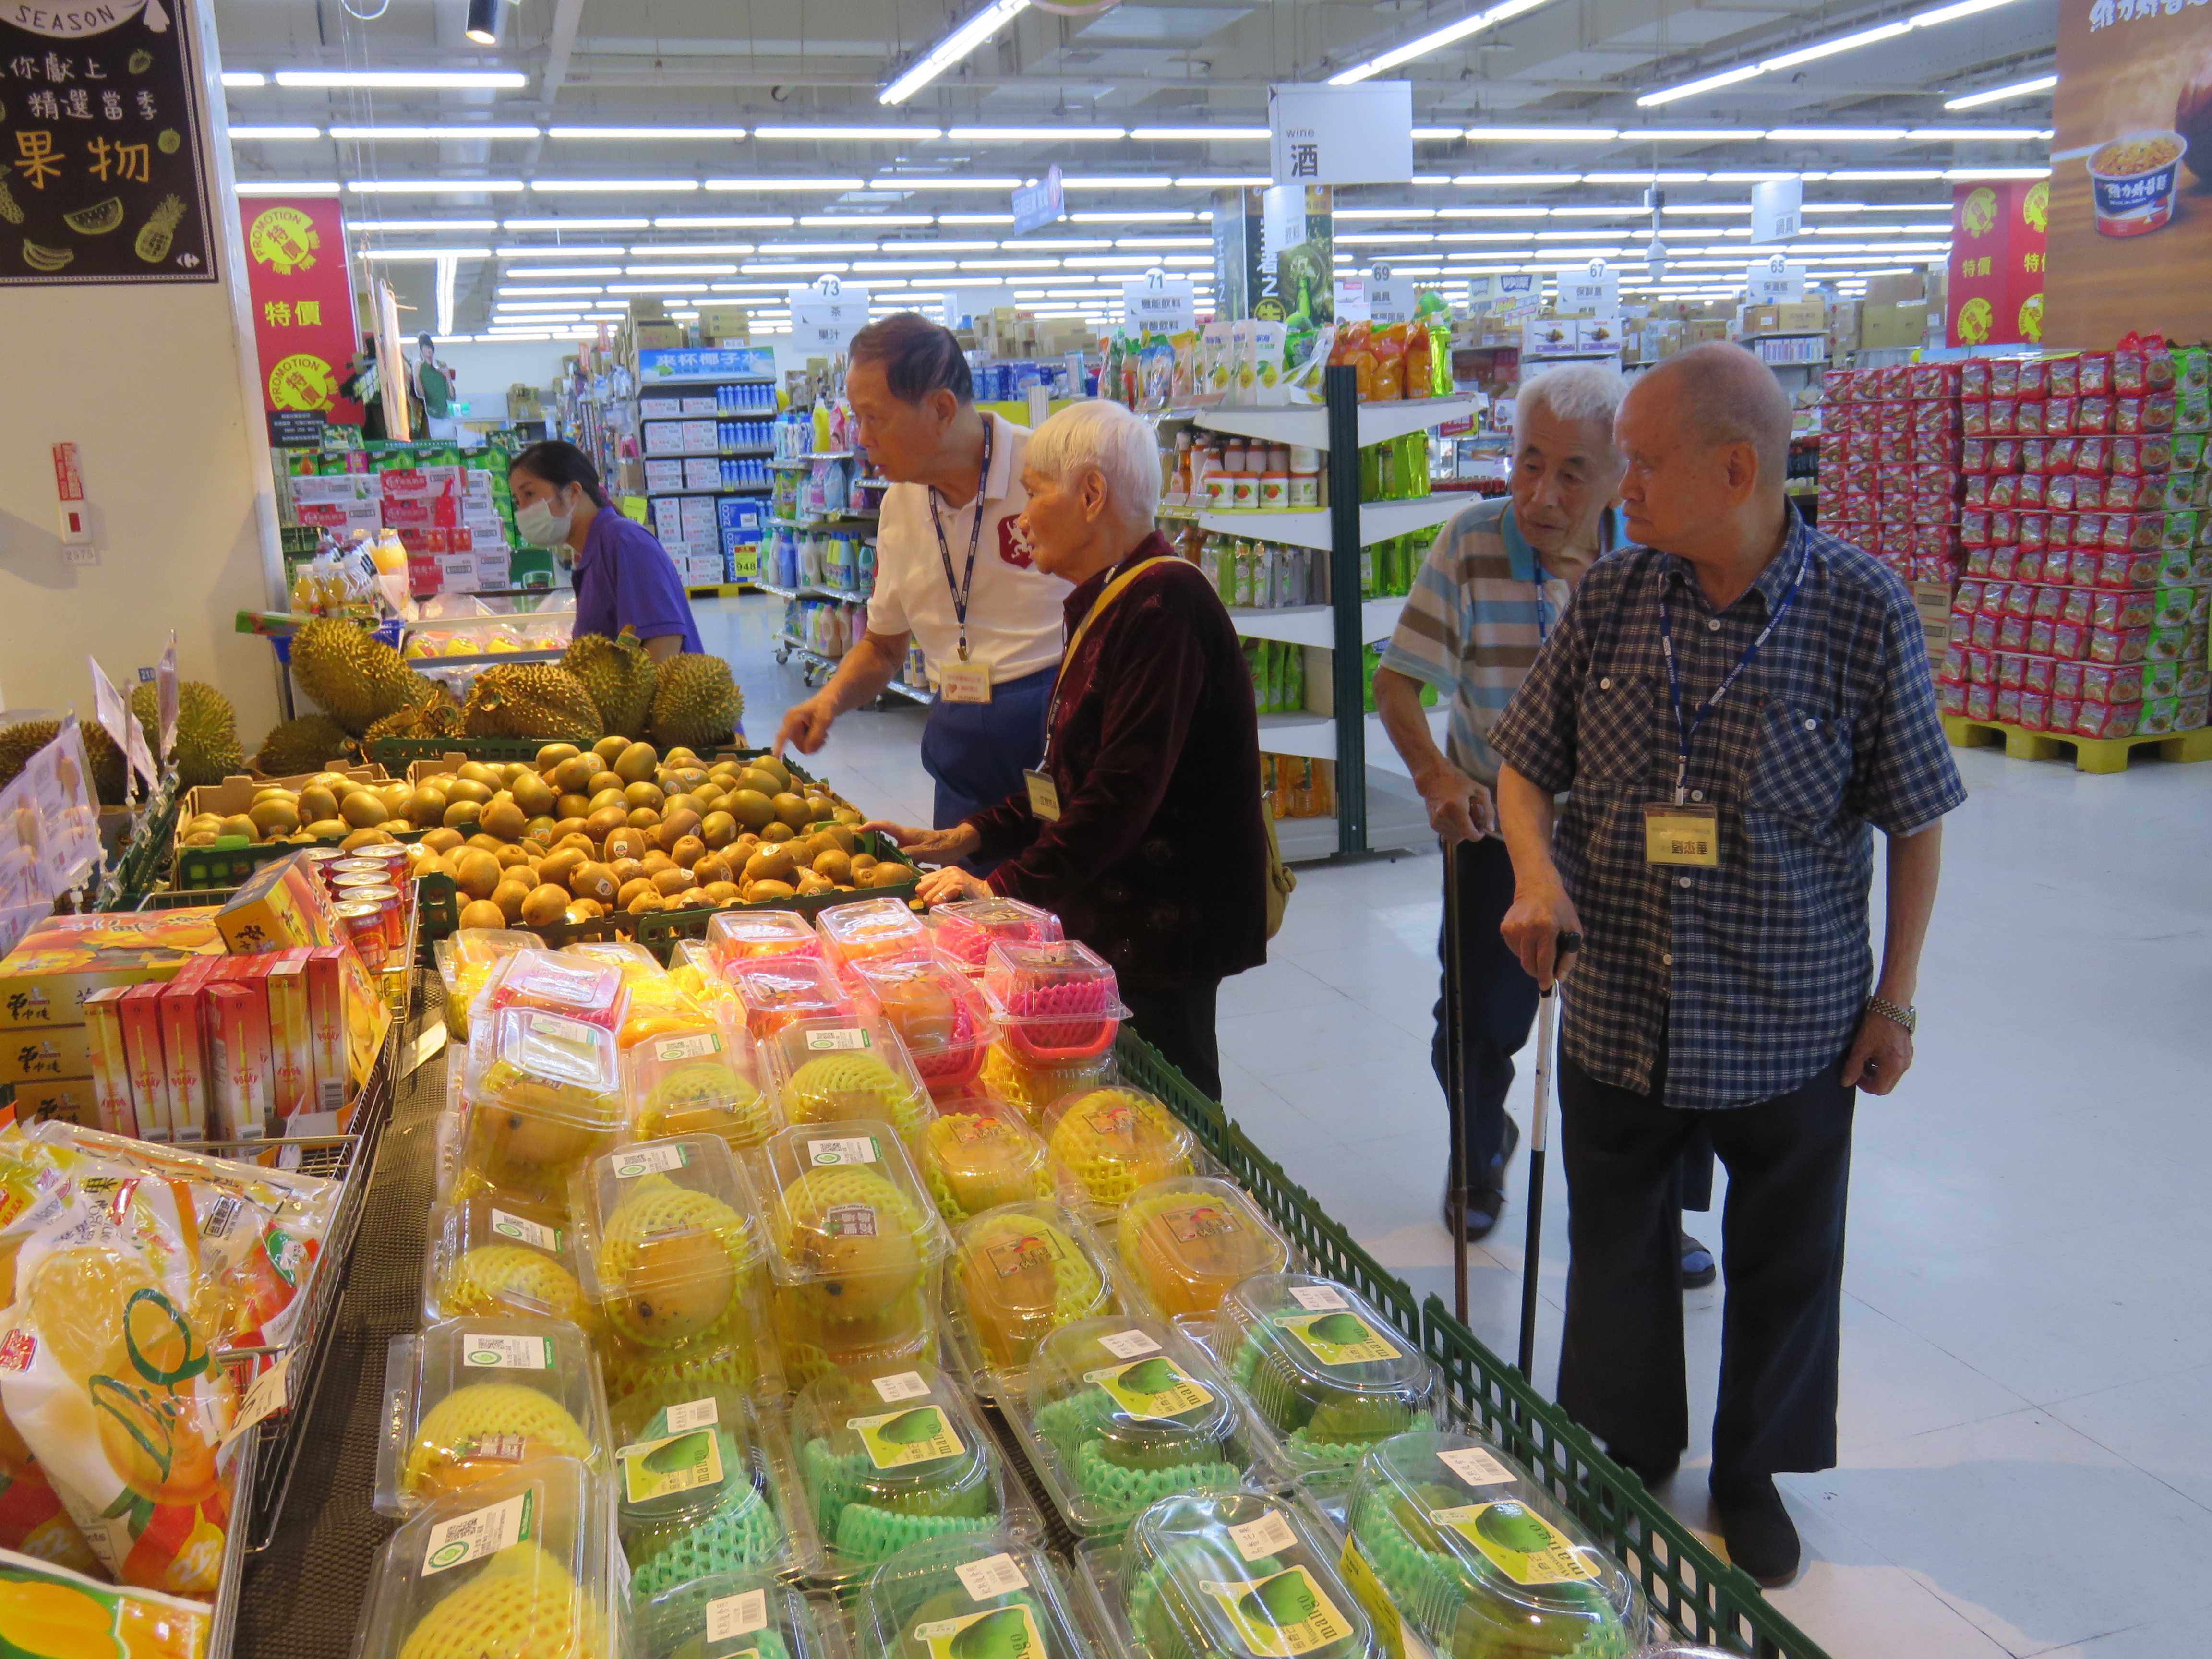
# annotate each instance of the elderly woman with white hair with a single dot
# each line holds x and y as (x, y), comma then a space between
(1141, 825)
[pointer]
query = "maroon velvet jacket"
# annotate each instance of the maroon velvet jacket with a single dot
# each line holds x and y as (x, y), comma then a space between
(1158, 860)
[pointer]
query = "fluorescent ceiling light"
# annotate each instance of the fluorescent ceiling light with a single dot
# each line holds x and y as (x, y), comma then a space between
(420, 79)
(571, 271)
(645, 133)
(1956, 174)
(1545, 135)
(796, 268)
(423, 253)
(267, 135)
(1692, 135)
(1436, 135)
(687, 250)
(935, 182)
(524, 292)
(1223, 181)
(1829, 48)
(1757, 176)
(862, 135)
(877, 266)
(722, 222)
(1435, 40)
(1116, 181)
(671, 270)
(432, 186)
(1008, 218)
(1975, 100)
(364, 227)
(1466, 179)
(1032, 135)
(1156, 217)
(286, 187)
(934, 247)
(555, 187)
(785, 184)
(1163, 242)
(439, 134)
(1821, 49)
(1343, 214)
(951, 49)
(781, 250)
(1993, 135)
(1835, 135)
(1702, 83)
(1643, 177)
(244, 78)
(863, 220)
(1201, 135)
(558, 224)
(1887, 175)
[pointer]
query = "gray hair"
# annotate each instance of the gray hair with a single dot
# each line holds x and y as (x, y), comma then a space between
(1727, 396)
(1577, 391)
(1101, 433)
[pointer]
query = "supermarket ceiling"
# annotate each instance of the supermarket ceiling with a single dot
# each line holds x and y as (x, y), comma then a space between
(774, 137)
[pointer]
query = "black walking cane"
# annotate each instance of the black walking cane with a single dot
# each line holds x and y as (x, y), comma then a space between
(1455, 1075)
(1540, 1122)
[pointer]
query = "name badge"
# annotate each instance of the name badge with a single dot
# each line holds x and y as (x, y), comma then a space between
(1044, 796)
(964, 682)
(1681, 835)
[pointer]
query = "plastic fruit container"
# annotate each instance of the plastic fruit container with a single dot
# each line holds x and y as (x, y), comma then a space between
(673, 1257)
(735, 938)
(1118, 1413)
(751, 1615)
(775, 992)
(486, 1257)
(1110, 1143)
(626, 956)
(1477, 1559)
(693, 970)
(466, 961)
(976, 1154)
(1322, 1371)
(517, 1565)
(544, 1080)
(550, 982)
(964, 931)
(939, 1016)
(1017, 1273)
(1056, 1002)
(695, 1077)
(1182, 1245)
(695, 1488)
(468, 1400)
(984, 1595)
(1031, 1087)
(854, 1243)
(843, 1066)
(1234, 1574)
(894, 1460)
(871, 930)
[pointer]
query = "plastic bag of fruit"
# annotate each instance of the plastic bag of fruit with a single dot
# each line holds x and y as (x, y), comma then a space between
(58, 1614)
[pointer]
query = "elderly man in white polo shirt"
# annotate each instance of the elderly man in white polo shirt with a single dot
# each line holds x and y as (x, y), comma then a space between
(952, 568)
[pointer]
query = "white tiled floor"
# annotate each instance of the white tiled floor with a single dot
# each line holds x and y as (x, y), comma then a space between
(2026, 1420)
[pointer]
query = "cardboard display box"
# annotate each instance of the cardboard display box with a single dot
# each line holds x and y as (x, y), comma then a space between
(45, 980)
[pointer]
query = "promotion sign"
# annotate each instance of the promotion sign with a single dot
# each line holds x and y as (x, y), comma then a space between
(1361, 134)
(101, 178)
(2130, 198)
(1040, 205)
(302, 293)
(826, 314)
(1159, 305)
(1297, 258)
(1995, 296)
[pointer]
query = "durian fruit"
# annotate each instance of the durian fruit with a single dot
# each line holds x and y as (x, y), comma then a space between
(21, 741)
(25, 737)
(532, 699)
(206, 730)
(305, 744)
(485, 1429)
(672, 1267)
(619, 677)
(834, 1087)
(696, 704)
(857, 1265)
(522, 1604)
(494, 1279)
(437, 716)
(353, 677)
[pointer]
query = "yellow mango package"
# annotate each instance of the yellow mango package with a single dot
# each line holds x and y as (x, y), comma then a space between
(55, 1614)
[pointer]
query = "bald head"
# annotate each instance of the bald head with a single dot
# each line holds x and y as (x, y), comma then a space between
(1720, 394)
(1706, 437)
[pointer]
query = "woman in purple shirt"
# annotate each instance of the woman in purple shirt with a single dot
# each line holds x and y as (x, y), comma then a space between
(624, 576)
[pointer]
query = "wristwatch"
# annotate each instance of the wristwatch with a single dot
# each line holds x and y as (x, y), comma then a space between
(1908, 1018)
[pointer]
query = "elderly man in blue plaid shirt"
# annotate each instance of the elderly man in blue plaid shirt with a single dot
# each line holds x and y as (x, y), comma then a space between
(1732, 702)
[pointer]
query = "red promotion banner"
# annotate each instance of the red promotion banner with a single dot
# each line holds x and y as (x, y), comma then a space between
(1996, 263)
(303, 289)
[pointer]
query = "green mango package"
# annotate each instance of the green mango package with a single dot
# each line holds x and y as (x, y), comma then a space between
(1322, 1370)
(696, 1486)
(985, 1596)
(1449, 1536)
(746, 1613)
(1123, 1411)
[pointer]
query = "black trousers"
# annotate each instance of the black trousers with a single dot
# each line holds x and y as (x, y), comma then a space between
(1622, 1367)
(1179, 1022)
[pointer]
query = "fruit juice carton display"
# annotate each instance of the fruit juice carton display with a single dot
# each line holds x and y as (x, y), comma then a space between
(1109, 1143)
(1182, 1244)
(142, 1057)
(964, 931)
(779, 990)
(1117, 1413)
(979, 1152)
(279, 906)
(242, 1092)
(348, 1017)
(543, 1080)
(739, 936)
(467, 1400)
(1055, 1001)
(465, 960)
(731, 1615)
(111, 1072)
(699, 1078)
(1239, 1575)
(489, 1257)
(698, 1487)
(521, 1562)
(843, 1066)
(1323, 1371)
(45, 980)
(937, 1013)
(1032, 1087)
(887, 1459)
(291, 1037)
(185, 1051)
(673, 1256)
(854, 1247)
(980, 1595)
(882, 929)
(1450, 1538)
(1016, 1273)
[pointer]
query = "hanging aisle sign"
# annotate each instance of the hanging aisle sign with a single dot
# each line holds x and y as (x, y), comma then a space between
(1040, 204)
(1361, 134)
(1594, 290)
(826, 314)
(1774, 281)
(296, 271)
(102, 174)
(1158, 305)
(1777, 209)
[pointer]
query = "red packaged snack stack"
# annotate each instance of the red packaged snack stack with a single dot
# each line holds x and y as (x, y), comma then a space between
(1976, 492)
(2133, 607)
(1893, 418)
(2004, 377)
(1894, 507)
(2035, 457)
(2004, 455)
(1978, 558)
(2118, 644)
(2121, 492)
(1836, 387)
(2062, 715)
(2038, 678)
(1942, 417)
(2127, 414)
(1984, 633)
(2093, 372)
(1894, 448)
(2034, 711)
(2049, 602)
(2030, 490)
(1973, 530)
(1993, 598)
(2059, 492)
(2003, 413)
(2039, 636)
(2147, 532)
(2118, 720)
(2064, 374)
(1840, 419)
(2128, 367)
(2080, 606)
(1952, 669)
(2061, 454)
(1974, 377)
(2034, 380)
(2058, 414)
(2028, 415)
(2157, 453)
(1932, 541)
(1974, 455)
(2088, 492)
(2058, 550)
(2020, 599)
(2004, 525)
(2066, 679)
(1967, 598)
(1859, 477)
(2119, 535)
(1951, 699)
(2004, 556)
(1927, 381)
(2157, 363)
(2093, 414)
(1974, 417)
(1937, 478)
(1934, 449)
(2091, 455)
(2158, 411)
(1859, 448)
(2028, 568)
(2004, 489)
(2088, 530)
(2069, 640)
(2008, 705)
(1981, 702)
(2011, 633)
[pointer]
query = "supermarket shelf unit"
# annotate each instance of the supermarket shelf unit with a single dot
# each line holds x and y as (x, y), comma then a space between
(1387, 816)
(678, 385)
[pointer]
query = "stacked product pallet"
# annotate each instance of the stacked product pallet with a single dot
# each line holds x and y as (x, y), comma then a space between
(1891, 466)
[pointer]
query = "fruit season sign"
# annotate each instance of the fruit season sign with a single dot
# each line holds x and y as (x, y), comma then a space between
(100, 172)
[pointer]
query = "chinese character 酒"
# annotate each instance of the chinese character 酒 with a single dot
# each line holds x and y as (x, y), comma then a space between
(1305, 160)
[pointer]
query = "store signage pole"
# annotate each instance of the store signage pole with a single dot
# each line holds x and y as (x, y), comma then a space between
(1341, 386)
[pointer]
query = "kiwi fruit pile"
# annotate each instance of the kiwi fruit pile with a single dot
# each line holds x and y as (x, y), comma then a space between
(328, 806)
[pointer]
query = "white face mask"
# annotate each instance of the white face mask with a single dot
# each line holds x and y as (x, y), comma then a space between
(540, 525)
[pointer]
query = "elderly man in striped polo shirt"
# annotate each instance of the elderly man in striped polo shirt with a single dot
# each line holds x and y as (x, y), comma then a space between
(1496, 583)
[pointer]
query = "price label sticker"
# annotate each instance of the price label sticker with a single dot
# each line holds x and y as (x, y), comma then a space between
(480, 1533)
(1319, 1299)
(992, 1575)
(1270, 1534)
(1476, 1467)
(687, 1047)
(271, 1393)
(561, 1028)
(692, 1415)
(732, 1616)
(845, 1149)
(825, 1042)
(524, 1231)
(636, 1161)
(906, 1385)
(486, 1351)
(1128, 1344)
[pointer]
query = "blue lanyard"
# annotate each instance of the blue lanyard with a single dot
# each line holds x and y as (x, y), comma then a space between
(1684, 733)
(961, 589)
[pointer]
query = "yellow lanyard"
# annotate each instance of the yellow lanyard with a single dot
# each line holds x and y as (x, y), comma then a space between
(1113, 591)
